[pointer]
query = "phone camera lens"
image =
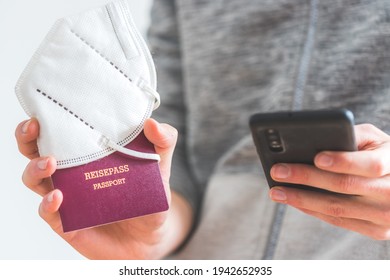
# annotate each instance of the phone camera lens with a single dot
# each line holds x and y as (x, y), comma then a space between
(274, 141)
(276, 147)
(275, 144)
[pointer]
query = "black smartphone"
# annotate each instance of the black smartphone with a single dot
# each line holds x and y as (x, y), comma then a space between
(297, 136)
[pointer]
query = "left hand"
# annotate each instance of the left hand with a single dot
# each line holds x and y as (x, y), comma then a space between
(361, 181)
(147, 237)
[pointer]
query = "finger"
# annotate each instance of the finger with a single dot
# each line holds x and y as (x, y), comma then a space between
(26, 134)
(333, 205)
(164, 138)
(363, 227)
(372, 159)
(375, 163)
(37, 174)
(48, 210)
(339, 183)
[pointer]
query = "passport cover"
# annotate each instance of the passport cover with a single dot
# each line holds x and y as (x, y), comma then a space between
(114, 188)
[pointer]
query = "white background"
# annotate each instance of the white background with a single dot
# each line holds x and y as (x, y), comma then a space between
(23, 25)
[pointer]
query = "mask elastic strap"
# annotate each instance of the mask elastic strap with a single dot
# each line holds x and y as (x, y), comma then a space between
(146, 88)
(129, 152)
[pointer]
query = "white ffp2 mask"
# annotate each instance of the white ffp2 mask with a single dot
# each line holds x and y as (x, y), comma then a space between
(91, 85)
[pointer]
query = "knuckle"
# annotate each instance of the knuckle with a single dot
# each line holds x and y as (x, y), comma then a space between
(381, 235)
(301, 175)
(40, 210)
(24, 179)
(21, 146)
(30, 177)
(379, 167)
(385, 217)
(27, 175)
(369, 127)
(373, 130)
(18, 130)
(345, 183)
(335, 209)
(346, 160)
(305, 176)
(16, 134)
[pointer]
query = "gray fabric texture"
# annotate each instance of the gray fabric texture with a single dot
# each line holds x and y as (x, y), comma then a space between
(220, 61)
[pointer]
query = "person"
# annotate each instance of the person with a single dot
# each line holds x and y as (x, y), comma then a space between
(218, 62)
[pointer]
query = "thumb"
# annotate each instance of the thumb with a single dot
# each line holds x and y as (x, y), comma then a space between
(164, 138)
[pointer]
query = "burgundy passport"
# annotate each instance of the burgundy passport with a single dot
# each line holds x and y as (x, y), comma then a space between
(111, 189)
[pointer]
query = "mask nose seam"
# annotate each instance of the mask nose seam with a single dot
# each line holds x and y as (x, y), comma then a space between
(101, 55)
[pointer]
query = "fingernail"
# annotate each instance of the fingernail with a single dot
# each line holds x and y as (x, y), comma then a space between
(278, 195)
(50, 197)
(324, 160)
(281, 171)
(42, 164)
(25, 126)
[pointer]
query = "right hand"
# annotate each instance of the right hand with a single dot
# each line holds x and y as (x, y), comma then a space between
(148, 237)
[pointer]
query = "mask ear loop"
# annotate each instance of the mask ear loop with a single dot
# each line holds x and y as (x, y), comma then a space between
(146, 88)
(148, 156)
(129, 152)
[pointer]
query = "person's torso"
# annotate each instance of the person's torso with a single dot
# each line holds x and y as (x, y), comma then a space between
(243, 57)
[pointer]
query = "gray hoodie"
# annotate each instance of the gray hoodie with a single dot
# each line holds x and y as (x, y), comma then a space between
(220, 61)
